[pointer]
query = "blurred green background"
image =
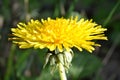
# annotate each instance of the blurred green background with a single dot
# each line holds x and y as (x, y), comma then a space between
(27, 64)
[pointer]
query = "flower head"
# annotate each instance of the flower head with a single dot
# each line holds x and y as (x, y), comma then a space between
(59, 33)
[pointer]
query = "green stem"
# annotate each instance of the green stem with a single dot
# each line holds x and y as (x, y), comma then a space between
(111, 13)
(10, 63)
(27, 15)
(62, 71)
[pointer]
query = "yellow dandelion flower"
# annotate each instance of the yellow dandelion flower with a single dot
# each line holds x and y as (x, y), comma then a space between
(59, 33)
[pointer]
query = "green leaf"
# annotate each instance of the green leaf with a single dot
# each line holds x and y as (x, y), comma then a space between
(84, 65)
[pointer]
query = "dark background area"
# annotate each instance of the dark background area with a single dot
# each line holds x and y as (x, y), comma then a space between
(24, 64)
